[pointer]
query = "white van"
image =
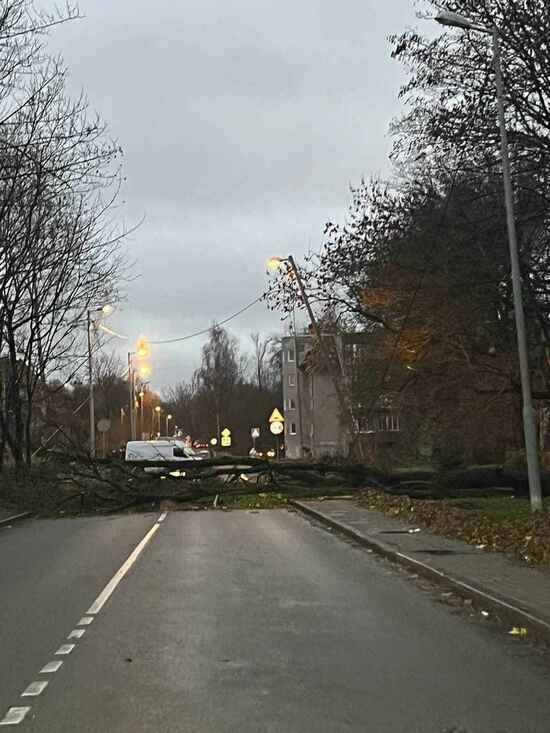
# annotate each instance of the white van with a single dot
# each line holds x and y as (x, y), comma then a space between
(160, 450)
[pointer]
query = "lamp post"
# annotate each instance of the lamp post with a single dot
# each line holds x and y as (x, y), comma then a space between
(275, 263)
(168, 418)
(142, 351)
(158, 410)
(529, 416)
(141, 396)
(90, 324)
(131, 396)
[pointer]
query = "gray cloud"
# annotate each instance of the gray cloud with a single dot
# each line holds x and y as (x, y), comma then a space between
(243, 124)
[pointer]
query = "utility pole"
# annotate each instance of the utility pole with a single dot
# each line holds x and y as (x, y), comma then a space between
(298, 388)
(529, 415)
(345, 408)
(131, 397)
(91, 387)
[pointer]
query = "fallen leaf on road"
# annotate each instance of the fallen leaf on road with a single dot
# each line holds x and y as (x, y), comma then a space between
(481, 547)
(484, 613)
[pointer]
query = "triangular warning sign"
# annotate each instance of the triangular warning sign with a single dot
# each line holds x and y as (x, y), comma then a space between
(276, 416)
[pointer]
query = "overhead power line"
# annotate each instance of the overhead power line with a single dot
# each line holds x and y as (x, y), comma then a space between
(206, 330)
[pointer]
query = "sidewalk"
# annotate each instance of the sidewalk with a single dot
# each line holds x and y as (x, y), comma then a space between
(490, 577)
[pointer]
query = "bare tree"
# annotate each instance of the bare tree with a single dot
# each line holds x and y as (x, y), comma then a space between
(220, 372)
(59, 251)
(261, 349)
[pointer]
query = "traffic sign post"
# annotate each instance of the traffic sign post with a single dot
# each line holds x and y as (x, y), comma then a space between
(226, 438)
(255, 433)
(277, 428)
(104, 425)
(276, 416)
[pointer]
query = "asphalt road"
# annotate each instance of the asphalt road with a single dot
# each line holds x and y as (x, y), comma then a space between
(244, 622)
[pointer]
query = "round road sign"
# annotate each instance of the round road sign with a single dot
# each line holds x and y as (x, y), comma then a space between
(104, 425)
(276, 427)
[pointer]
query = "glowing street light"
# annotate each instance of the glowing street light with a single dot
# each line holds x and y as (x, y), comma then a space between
(143, 348)
(144, 371)
(158, 410)
(275, 263)
(168, 418)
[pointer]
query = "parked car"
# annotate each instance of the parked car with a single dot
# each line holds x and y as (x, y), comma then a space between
(164, 450)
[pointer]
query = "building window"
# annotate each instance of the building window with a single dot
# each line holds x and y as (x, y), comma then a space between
(291, 380)
(291, 354)
(388, 422)
(362, 425)
(293, 428)
(290, 404)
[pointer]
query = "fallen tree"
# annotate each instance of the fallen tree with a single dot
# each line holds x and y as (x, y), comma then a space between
(112, 484)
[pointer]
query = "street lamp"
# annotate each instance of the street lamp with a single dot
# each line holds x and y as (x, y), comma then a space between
(158, 410)
(142, 350)
(276, 263)
(168, 418)
(529, 416)
(91, 317)
(141, 398)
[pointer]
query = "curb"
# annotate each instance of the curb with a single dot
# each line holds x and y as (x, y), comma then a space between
(504, 606)
(14, 518)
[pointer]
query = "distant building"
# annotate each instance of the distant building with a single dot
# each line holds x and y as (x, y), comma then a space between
(311, 410)
(313, 421)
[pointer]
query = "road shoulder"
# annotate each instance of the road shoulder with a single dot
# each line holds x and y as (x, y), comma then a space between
(521, 594)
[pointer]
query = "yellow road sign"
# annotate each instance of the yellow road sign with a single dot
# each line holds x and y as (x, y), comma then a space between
(276, 416)
(226, 433)
(226, 441)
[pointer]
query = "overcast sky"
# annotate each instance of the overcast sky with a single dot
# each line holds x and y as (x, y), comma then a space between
(243, 123)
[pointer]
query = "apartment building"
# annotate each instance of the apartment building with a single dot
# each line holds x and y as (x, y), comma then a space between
(313, 422)
(312, 415)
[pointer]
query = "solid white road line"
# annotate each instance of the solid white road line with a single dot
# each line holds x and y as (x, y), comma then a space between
(34, 689)
(50, 667)
(162, 517)
(65, 649)
(14, 716)
(106, 593)
(85, 621)
(76, 634)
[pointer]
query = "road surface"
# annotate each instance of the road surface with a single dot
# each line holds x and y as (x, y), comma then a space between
(245, 622)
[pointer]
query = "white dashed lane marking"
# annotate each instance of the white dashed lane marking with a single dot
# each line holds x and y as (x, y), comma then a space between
(51, 667)
(65, 649)
(14, 716)
(34, 689)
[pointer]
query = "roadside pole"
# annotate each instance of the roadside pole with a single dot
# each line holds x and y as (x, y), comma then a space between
(91, 387)
(344, 406)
